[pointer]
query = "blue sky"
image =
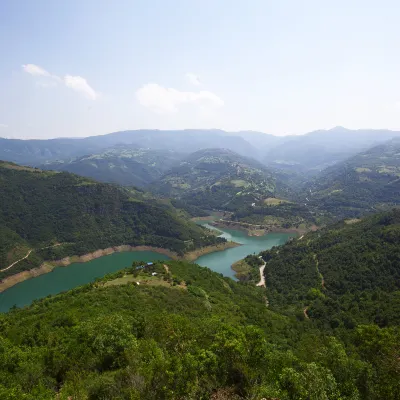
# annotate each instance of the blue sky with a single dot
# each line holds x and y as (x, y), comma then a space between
(79, 67)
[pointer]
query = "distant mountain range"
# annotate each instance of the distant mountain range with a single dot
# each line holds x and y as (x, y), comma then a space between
(319, 149)
(304, 153)
(35, 152)
(333, 173)
(366, 182)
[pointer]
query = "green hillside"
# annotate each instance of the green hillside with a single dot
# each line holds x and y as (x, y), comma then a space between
(186, 333)
(367, 182)
(43, 208)
(124, 164)
(344, 275)
(218, 179)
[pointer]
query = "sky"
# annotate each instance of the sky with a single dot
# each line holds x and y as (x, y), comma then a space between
(81, 67)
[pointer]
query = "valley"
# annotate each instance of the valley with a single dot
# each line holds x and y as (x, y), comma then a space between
(241, 271)
(85, 269)
(43, 208)
(199, 200)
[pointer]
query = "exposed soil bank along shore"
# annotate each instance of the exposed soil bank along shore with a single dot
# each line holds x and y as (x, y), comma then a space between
(255, 230)
(195, 254)
(49, 266)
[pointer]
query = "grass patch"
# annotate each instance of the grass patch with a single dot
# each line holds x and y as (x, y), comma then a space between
(272, 220)
(273, 201)
(361, 170)
(352, 221)
(122, 281)
(240, 183)
(144, 279)
(181, 185)
(336, 191)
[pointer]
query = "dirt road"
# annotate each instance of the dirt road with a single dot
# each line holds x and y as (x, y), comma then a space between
(16, 262)
(27, 255)
(262, 277)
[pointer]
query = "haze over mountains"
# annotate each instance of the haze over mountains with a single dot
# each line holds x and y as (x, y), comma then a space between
(325, 326)
(247, 168)
(159, 260)
(308, 152)
(363, 183)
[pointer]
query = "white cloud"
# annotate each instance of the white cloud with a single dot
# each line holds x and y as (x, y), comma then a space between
(80, 85)
(35, 70)
(168, 100)
(3, 126)
(193, 79)
(397, 104)
(77, 83)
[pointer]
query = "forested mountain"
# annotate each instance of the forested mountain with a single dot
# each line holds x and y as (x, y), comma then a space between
(122, 164)
(43, 208)
(186, 333)
(36, 152)
(306, 153)
(217, 179)
(317, 150)
(366, 182)
(340, 276)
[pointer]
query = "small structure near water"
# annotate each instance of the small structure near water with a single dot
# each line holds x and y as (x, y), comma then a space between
(149, 264)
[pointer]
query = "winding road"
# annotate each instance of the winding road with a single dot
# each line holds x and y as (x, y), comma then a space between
(262, 277)
(27, 255)
(16, 262)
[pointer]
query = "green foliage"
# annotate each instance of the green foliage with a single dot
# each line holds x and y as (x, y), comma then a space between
(285, 215)
(192, 210)
(147, 342)
(123, 164)
(345, 275)
(364, 183)
(217, 179)
(41, 208)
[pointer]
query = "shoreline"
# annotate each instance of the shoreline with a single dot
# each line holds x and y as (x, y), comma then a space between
(211, 217)
(195, 254)
(241, 269)
(49, 266)
(258, 230)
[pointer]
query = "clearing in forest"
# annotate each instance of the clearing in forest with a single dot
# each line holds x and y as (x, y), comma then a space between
(273, 201)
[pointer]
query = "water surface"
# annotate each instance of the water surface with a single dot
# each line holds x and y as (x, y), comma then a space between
(221, 261)
(66, 278)
(77, 274)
